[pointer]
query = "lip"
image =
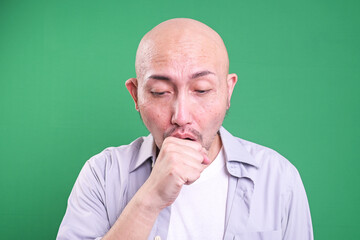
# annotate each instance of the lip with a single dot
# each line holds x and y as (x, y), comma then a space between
(187, 136)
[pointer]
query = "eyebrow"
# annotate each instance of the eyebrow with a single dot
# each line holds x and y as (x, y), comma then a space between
(193, 76)
(159, 77)
(201, 74)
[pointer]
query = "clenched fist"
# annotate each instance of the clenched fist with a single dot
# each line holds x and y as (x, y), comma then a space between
(179, 162)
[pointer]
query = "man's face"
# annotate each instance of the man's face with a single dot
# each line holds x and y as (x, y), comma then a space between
(183, 91)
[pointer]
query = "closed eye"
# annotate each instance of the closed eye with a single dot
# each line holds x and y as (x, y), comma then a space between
(158, 94)
(202, 91)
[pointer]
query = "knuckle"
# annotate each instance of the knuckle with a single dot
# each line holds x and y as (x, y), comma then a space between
(198, 146)
(167, 141)
(168, 147)
(172, 157)
(198, 157)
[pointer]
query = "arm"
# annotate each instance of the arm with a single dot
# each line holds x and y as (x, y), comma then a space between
(137, 219)
(179, 162)
(296, 219)
(86, 216)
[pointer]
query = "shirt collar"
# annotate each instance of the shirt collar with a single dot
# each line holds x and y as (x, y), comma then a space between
(147, 150)
(240, 163)
(234, 149)
(235, 152)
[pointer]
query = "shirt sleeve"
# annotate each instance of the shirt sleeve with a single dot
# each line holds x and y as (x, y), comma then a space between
(86, 216)
(296, 219)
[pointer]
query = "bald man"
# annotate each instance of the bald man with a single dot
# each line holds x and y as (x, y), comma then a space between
(190, 178)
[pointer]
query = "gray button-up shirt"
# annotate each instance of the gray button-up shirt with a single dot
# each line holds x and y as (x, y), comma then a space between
(266, 198)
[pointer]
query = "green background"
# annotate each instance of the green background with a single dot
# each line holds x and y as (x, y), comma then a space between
(63, 65)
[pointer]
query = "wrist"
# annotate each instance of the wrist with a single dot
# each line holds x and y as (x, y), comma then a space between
(148, 202)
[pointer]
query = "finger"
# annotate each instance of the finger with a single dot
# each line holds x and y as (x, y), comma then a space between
(191, 159)
(183, 153)
(191, 177)
(190, 144)
(206, 160)
(184, 142)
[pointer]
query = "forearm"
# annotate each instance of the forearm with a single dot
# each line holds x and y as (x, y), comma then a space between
(136, 220)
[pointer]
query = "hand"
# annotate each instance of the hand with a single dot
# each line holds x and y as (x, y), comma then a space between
(179, 162)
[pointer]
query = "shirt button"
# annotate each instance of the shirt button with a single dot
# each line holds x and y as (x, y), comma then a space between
(157, 238)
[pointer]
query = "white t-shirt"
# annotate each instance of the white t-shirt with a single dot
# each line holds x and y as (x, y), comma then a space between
(199, 210)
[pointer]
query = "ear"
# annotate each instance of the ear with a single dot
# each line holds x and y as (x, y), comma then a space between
(132, 86)
(231, 81)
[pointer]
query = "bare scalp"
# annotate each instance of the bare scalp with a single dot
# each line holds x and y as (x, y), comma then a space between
(177, 34)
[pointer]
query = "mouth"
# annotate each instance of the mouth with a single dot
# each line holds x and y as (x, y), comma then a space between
(189, 139)
(185, 136)
(188, 133)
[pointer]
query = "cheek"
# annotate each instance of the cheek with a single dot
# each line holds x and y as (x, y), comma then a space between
(211, 113)
(154, 116)
(155, 120)
(213, 105)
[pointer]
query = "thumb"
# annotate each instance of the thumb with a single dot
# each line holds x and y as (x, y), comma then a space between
(206, 160)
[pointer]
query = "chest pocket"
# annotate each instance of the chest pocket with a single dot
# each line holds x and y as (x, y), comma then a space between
(268, 235)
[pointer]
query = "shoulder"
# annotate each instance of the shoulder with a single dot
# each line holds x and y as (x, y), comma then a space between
(265, 155)
(110, 156)
(271, 164)
(274, 172)
(113, 161)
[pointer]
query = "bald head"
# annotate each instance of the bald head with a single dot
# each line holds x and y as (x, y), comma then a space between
(183, 82)
(180, 39)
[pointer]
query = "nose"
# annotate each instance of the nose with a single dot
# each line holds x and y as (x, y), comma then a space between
(181, 112)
